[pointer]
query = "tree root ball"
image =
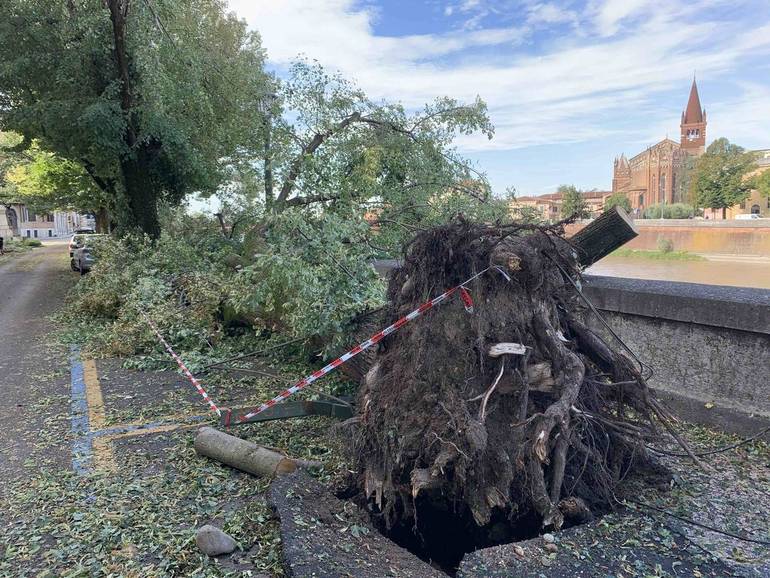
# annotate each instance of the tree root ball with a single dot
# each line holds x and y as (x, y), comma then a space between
(546, 430)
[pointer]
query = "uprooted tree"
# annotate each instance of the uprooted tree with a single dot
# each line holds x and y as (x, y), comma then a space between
(517, 408)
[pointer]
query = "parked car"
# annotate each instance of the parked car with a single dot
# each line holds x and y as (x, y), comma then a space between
(82, 255)
(747, 217)
(78, 240)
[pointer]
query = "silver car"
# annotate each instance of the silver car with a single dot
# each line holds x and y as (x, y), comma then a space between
(84, 256)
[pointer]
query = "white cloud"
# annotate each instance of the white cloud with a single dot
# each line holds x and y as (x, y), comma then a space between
(566, 92)
(550, 13)
(610, 13)
(745, 119)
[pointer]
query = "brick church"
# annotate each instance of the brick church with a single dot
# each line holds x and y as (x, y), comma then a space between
(655, 176)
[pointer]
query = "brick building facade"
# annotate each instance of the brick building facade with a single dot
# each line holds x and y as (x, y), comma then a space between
(655, 176)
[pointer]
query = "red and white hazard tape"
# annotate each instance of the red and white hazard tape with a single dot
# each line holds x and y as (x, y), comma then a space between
(376, 338)
(182, 366)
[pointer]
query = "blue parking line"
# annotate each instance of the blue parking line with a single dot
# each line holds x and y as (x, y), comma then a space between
(82, 448)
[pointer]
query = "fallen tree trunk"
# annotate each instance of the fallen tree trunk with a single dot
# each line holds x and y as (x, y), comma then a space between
(611, 230)
(511, 411)
(243, 455)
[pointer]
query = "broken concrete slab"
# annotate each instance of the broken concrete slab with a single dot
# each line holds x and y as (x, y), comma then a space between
(618, 545)
(324, 536)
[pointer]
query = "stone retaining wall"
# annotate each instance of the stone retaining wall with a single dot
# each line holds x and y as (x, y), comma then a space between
(708, 346)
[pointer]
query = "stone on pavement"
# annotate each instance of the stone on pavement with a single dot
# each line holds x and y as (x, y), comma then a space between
(212, 541)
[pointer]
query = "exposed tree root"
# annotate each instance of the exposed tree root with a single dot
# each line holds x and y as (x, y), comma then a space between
(550, 428)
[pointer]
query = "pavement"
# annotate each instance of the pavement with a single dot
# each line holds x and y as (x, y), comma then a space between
(34, 374)
(98, 475)
(62, 409)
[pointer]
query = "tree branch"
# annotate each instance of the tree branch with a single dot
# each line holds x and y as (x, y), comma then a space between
(100, 182)
(309, 200)
(433, 115)
(296, 165)
(118, 12)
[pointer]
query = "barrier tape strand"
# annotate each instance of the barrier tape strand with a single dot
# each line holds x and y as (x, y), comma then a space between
(181, 365)
(374, 339)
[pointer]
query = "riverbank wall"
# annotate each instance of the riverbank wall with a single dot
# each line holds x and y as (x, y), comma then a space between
(700, 236)
(708, 347)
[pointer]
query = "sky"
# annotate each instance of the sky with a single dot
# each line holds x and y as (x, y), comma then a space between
(569, 84)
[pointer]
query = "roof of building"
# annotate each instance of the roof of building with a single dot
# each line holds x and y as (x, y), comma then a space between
(595, 194)
(552, 197)
(666, 141)
(693, 113)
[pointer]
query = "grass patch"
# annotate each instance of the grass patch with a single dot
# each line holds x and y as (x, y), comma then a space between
(657, 255)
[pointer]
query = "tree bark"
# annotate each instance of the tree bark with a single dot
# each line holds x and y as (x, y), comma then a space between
(140, 190)
(243, 455)
(609, 231)
(141, 193)
(102, 220)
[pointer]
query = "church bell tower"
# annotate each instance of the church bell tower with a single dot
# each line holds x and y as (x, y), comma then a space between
(693, 126)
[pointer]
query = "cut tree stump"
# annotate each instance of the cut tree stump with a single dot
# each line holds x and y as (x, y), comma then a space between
(610, 231)
(243, 455)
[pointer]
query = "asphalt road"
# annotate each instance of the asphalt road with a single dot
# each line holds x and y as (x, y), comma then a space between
(34, 369)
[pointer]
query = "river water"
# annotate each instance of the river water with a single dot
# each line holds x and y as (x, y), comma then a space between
(735, 270)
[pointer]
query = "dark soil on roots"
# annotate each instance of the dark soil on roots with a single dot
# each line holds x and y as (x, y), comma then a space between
(459, 446)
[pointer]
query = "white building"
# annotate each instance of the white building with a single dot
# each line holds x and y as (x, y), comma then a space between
(18, 221)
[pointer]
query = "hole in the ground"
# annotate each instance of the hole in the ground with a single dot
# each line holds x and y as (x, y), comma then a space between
(443, 536)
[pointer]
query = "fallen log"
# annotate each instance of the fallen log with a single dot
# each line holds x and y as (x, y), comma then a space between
(244, 455)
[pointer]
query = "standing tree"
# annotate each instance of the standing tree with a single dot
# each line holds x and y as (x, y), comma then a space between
(718, 180)
(617, 200)
(762, 183)
(572, 204)
(152, 98)
(10, 146)
(46, 182)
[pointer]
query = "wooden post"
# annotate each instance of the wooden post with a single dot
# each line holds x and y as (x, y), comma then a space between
(612, 229)
(240, 454)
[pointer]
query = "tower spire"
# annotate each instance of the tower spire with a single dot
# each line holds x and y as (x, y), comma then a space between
(693, 113)
(693, 126)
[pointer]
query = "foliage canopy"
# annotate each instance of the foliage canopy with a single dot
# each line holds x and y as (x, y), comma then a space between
(46, 182)
(573, 204)
(151, 98)
(617, 200)
(718, 180)
(762, 183)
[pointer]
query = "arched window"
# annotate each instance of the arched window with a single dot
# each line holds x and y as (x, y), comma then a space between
(754, 209)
